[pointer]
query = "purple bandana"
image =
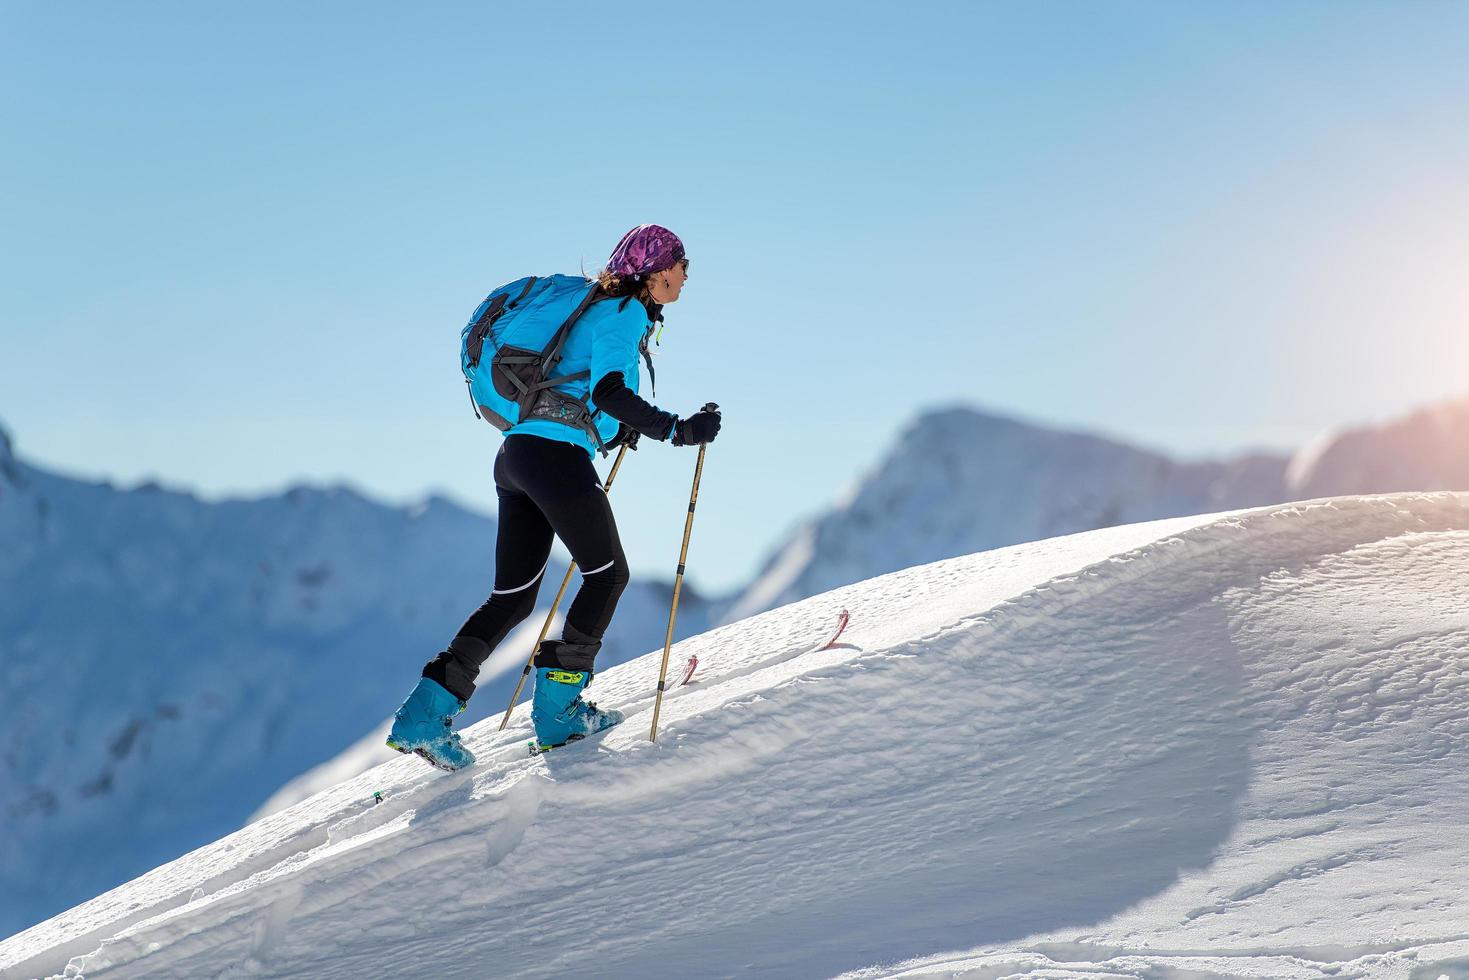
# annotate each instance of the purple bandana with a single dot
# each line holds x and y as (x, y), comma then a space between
(645, 249)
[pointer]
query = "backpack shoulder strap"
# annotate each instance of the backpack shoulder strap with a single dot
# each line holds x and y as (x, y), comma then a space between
(552, 353)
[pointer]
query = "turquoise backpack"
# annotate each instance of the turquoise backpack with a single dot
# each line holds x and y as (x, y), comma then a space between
(510, 348)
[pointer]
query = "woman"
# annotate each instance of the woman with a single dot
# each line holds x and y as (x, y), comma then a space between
(547, 486)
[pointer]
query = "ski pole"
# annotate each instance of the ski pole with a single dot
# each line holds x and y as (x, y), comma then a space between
(551, 615)
(683, 555)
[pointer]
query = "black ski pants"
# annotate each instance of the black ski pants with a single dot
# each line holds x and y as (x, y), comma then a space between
(546, 489)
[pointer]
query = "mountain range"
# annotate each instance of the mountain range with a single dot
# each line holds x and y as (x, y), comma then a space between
(173, 667)
(958, 480)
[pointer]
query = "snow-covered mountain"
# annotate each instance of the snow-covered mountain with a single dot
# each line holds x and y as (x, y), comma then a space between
(1427, 450)
(960, 480)
(1224, 746)
(167, 664)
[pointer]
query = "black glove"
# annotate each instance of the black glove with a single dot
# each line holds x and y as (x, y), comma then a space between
(699, 428)
(626, 436)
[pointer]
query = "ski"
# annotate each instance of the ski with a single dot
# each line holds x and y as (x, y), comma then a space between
(843, 618)
(536, 748)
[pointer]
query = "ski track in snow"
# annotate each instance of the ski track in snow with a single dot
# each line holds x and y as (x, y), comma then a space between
(1221, 746)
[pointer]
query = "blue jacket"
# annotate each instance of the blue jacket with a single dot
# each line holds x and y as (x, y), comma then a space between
(608, 337)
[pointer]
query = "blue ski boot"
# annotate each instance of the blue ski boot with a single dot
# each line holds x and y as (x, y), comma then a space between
(558, 711)
(421, 726)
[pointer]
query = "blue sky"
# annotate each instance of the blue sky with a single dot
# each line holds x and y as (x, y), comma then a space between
(238, 242)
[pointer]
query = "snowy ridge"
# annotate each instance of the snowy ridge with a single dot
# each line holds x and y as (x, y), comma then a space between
(1215, 746)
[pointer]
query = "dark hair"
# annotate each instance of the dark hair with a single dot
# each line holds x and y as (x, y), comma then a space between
(622, 285)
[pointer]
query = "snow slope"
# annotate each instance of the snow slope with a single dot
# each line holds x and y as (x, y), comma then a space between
(1202, 747)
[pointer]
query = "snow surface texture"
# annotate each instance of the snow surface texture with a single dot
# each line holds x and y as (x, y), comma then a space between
(1204, 747)
(959, 481)
(146, 633)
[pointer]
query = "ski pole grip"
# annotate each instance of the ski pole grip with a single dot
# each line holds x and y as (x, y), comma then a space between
(710, 407)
